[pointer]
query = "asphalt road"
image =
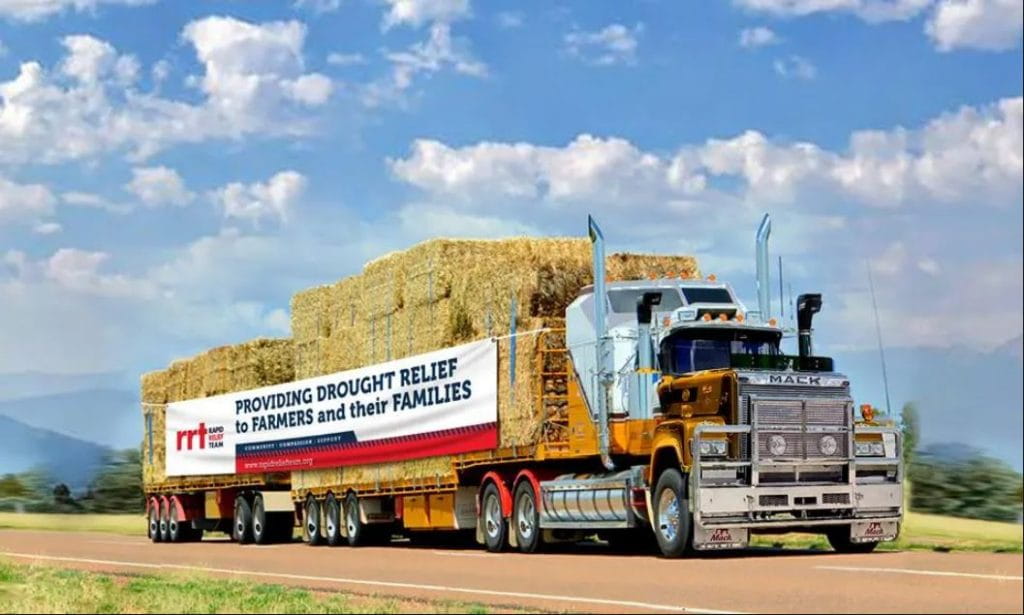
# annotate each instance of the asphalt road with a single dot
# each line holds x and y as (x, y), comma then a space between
(581, 578)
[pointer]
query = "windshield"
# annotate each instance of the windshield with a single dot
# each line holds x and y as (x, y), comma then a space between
(693, 351)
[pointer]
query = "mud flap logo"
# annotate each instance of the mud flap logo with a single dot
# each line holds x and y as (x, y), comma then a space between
(721, 535)
(874, 529)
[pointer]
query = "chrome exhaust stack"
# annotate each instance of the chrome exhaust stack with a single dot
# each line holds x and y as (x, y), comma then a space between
(605, 373)
(764, 298)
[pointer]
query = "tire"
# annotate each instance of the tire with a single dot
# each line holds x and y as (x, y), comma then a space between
(493, 523)
(839, 538)
(241, 527)
(177, 531)
(332, 520)
(153, 529)
(526, 518)
(358, 532)
(262, 525)
(311, 518)
(673, 524)
(165, 534)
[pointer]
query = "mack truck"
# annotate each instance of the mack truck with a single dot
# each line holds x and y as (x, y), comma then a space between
(686, 426)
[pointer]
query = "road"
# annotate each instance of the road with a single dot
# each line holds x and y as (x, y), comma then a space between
(583, 578)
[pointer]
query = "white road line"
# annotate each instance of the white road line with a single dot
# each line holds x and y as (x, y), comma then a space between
(462, 554)
(392, 584)
(929, 573)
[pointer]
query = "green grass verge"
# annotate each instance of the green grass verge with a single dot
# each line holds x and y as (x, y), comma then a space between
(28, 588)
(130, 525)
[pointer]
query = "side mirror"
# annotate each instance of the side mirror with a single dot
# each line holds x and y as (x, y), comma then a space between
(643, 307)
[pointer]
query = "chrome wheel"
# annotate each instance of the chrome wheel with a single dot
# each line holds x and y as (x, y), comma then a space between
(352, 518)
(525, 513)
(668, 515)
(492, 516)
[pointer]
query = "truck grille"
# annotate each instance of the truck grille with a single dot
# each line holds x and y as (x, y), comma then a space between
(801, 445)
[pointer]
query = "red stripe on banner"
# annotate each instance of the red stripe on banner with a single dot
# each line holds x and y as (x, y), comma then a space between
(447, 442)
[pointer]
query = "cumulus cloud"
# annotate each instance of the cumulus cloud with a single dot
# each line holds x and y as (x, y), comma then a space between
(156, 186)
(37, 10)
(419, 12)
(345, 59)
(273, 199)
(868, 10)
(613, 44)
(757, 37)
(24, 202)
(795, 67)
(318, 6)
(253, 82)
(46, 228)
(992, 25)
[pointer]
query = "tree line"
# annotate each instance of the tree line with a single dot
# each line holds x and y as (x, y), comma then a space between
(116, 488)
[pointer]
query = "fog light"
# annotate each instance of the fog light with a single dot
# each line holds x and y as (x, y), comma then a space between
(828, 445)
(777, 445)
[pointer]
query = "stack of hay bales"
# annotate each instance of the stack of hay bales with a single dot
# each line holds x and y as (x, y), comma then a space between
(253, 364)
(444, 292)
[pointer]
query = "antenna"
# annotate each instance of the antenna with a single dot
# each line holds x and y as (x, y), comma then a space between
(878, 332)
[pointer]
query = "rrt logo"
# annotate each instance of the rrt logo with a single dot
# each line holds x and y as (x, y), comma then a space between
(201, 437)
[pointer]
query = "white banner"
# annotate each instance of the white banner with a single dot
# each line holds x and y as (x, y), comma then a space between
(439, 403)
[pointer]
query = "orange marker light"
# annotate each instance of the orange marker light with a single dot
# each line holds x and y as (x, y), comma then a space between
(772, 322)
(739, 317)
(867, 412)
(723, 317)
(706, 317)
(666, 321)
(712, 278)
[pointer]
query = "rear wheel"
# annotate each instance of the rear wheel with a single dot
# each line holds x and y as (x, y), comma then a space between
(332, 520)
(491, 519)
(241, 528)
(165, 534)
(358, 532)
(673, 524)
(839, 538)
(154, 521)
(311, 522)
(526, 517)
(177, 531)
(262, 532)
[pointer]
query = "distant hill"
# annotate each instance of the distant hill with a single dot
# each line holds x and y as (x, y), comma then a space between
(105, 416)
(68, 460)
(33, 384)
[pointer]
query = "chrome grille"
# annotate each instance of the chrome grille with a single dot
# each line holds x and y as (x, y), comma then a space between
(835, 498)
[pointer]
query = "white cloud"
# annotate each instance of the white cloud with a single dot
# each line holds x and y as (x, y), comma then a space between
(757, 37)
(509, 19)
(273, 199)
(47, 228)
(868, 10)
(20, 202)
(254, 82)
(418, 12)
(318, 6)
(79, 271)
(160, 71)
(795, 67)
(3, 50)
(345, 59)
(437, 53)
(156, 186)
(992, 25)
(613, 44)
(36, 10)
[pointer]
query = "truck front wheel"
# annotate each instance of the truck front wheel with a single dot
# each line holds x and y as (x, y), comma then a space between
(527, 518)
(839, 538)
(673, 524)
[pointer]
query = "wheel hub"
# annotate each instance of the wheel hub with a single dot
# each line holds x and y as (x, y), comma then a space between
(668, 515)
(492, 516)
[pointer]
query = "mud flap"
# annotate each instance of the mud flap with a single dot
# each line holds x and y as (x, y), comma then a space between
(873, 531)
(705, 539)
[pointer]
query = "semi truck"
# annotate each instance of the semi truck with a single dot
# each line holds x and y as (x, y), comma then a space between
(671, 416)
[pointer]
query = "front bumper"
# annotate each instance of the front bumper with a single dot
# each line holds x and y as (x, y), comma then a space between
(871, 505)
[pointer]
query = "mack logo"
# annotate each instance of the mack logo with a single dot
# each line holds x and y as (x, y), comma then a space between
(721, 535)
(794, 379)
(874, 529)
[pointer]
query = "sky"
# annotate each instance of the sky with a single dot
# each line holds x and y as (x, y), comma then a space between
(172, 172)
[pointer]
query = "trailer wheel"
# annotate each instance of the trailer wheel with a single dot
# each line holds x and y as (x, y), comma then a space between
(673, 523)
(176, 532)
(526, 516)
(165, 533)
(332, 520)
(262, 530)
(358, 532)
(311, 522)
(492, 520)
(241, 529)
(839, 538)
(154, 521)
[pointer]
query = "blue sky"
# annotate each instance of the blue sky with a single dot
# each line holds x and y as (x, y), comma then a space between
(171, 172)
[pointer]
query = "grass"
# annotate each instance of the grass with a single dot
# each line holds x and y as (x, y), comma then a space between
(130, 525)
(923, 531)
(29, 588)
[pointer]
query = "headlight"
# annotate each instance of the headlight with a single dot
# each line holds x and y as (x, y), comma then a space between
(870, 448)
(777, 445)
(715, 448)
(828, 445)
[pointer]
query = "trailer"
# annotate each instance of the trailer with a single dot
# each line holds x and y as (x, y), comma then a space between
(642, 409)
